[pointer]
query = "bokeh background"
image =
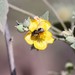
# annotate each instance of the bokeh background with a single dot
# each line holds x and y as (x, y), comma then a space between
(33, 62)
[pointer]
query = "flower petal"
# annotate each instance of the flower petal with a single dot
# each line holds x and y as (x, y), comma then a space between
(44, 24)
(49, 38)
(28, 38)
(33, 25)
(40, 45)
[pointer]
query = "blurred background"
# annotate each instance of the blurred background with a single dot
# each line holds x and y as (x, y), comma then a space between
(33, 62)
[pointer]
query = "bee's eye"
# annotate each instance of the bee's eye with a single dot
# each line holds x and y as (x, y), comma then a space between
(41, 30)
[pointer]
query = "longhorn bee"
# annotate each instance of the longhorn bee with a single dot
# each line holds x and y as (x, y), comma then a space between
(36, 32)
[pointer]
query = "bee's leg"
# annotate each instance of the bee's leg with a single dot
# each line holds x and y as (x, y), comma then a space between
(32, 47)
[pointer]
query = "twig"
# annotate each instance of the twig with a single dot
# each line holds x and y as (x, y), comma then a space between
(21, 10)
(56, 29)
(56, 14)
(10, 54)
(73, 21)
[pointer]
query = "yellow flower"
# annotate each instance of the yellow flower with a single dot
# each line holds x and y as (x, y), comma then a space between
(38, 34)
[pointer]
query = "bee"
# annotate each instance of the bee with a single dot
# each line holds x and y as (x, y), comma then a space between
(36, 32)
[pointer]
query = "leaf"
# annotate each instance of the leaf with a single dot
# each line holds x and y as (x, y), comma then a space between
(45, 15)
(20, 28)
(73, 45)
(27, 22)
(3, 13)
(70, 39)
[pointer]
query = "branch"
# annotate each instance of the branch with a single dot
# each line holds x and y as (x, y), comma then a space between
(21, 10)
(10, 54)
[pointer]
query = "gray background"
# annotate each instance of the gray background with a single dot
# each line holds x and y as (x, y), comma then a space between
(32, 62)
